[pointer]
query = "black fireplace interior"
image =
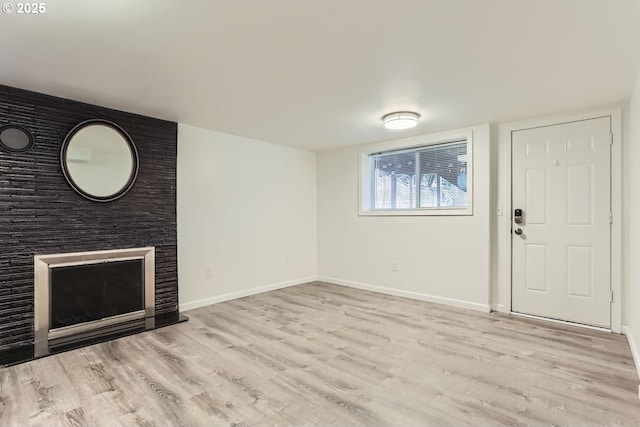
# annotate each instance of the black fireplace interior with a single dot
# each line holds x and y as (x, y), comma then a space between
(83, 293)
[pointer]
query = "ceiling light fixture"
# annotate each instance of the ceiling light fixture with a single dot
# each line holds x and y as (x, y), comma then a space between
(400, 120)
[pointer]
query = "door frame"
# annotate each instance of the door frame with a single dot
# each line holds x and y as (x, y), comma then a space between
(501, 286)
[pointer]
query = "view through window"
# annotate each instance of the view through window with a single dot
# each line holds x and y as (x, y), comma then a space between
(427, 177)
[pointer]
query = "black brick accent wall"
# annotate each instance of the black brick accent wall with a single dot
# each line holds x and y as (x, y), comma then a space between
(41, 214)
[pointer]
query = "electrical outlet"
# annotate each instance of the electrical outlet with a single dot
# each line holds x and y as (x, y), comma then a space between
(394, 265)
(208, 273)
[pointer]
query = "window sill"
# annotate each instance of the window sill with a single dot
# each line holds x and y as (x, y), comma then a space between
(418, 212)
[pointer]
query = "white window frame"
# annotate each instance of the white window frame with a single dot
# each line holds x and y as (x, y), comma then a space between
(365, 183)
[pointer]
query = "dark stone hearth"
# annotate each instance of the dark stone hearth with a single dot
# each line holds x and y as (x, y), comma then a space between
(41, 214)
(25, 353)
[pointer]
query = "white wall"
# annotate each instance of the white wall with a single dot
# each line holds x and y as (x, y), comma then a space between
(632, 223)
(246, 211)
(440, 258)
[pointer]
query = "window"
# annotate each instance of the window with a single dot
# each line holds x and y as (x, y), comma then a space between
(431, 179)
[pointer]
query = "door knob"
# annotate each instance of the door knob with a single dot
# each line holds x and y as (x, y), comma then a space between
(518, 231)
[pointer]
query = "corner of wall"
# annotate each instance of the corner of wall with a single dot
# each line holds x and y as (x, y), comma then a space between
(247, 216)
(631, 204)
(633, 345)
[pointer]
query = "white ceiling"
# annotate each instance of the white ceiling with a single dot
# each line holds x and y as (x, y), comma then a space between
(319, 74)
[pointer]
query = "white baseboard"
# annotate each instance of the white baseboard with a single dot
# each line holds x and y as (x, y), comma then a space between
(501, 308)
(635, 350)
(244, 293)
(408, 294)
(389, 291)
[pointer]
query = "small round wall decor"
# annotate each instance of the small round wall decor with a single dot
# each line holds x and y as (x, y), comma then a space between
(16, 139)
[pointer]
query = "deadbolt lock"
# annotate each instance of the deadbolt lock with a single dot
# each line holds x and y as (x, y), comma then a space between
(517, 216)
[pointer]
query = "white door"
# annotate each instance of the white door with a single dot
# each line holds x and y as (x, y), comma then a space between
(561, 250)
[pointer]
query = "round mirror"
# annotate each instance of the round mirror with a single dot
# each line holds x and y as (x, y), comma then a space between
(99, 160)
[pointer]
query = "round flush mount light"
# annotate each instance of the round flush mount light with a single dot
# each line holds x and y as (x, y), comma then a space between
(400, 120)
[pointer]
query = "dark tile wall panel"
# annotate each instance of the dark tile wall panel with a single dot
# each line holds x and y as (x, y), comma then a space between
(41, 214)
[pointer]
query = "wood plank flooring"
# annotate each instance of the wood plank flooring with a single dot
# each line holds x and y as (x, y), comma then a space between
(325, 355)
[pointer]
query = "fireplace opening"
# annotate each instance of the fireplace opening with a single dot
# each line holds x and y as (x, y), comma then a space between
(89, 292)
(84, 295)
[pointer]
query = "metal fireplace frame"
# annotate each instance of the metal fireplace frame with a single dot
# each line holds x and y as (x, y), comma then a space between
(42, 265)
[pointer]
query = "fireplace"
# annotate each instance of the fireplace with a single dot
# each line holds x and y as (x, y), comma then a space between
(85, 294)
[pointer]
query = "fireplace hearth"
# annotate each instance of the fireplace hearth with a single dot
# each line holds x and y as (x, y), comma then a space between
(87, 297)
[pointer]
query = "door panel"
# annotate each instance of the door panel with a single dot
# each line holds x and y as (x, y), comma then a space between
(561, 260)
(536, 267)
(579, 192)
(579, 277)
(536, 197)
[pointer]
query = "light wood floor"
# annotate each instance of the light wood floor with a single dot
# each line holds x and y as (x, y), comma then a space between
(320, 354)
